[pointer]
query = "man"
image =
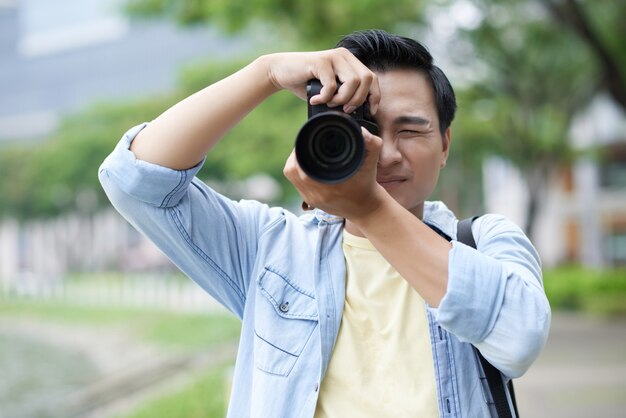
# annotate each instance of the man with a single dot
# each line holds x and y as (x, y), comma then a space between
(358, 308)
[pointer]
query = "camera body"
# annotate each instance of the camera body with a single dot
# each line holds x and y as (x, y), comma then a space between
(330, 147)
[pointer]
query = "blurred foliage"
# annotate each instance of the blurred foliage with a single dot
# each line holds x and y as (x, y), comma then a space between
(583, 289)
(530, 73)
(541, 61)
(533, 78)
(316, 24)
(599, 28)
(60, 173)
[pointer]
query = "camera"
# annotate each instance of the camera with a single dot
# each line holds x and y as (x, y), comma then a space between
(330, 147)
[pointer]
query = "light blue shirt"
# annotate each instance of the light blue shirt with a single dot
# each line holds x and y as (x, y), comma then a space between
(284, 276)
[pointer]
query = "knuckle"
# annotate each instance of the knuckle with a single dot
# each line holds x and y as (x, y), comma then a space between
(351, 79)
(373, 79)
(343, 50)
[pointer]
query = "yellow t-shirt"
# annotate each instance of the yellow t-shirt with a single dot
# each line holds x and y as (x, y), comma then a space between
(382, 362)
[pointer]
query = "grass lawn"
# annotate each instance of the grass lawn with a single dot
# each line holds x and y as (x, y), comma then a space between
(206, 397)
(172, 330)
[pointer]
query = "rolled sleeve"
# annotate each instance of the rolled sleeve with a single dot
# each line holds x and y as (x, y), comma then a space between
(475, 282)
(211, 238)
(150, 183)
(495, 298)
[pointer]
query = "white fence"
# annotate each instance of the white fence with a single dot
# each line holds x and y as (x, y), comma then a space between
(124, 291)
(37, 257)
(51, 248)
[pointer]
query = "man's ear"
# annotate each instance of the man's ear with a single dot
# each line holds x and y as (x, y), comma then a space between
(446, 148)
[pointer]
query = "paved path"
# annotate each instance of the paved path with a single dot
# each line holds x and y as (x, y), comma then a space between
(580, 374)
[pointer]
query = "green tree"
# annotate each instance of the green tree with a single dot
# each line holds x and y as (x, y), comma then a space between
(531, 75)
(317, 23)
(60, 173)
(534, 80)
(535, 74)
(599, 27)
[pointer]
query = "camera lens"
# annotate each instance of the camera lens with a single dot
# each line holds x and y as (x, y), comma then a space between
(329, 147)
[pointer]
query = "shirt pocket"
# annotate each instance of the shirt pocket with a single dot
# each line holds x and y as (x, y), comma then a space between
(285, 318)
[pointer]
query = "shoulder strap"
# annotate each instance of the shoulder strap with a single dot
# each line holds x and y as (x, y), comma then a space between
(493, 375)
(464, 232)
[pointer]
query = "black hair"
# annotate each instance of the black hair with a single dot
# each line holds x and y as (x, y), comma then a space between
(381, 51)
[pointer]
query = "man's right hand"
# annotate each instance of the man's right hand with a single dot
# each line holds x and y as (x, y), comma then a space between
(182, 135)
(292, 71)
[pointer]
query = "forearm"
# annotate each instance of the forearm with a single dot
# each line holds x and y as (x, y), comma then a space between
(418, 254)
(182, 135)
(494, 297)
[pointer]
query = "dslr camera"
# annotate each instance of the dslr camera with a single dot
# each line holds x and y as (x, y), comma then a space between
(330, 147)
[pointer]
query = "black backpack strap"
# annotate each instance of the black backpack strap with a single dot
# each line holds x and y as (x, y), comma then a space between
(496, 387)
(464, 232)
(493, 375)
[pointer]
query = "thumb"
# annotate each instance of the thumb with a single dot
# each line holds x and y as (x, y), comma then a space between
(373, 145)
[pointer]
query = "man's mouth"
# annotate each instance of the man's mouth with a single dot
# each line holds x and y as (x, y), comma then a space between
(390, 181)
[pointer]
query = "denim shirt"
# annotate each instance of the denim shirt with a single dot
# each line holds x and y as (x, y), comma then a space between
(284, 276)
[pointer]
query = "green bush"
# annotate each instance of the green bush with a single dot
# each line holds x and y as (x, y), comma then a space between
(579, 288)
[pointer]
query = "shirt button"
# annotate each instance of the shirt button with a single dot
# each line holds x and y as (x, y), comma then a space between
(284, 307)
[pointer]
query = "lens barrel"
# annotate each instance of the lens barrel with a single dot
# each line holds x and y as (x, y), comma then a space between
(330, 147)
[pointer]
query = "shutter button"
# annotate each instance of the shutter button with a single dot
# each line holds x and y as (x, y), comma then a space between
(284, 307)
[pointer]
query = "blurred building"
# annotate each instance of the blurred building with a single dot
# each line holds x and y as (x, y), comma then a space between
(58, 56)
(582, 218)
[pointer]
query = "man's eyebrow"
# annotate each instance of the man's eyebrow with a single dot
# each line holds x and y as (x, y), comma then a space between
(411, 120)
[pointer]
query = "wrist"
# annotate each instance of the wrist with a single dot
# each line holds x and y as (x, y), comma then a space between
(380, 203)
(263, 66)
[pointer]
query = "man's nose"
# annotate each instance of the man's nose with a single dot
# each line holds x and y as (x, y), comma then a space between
(389, 154)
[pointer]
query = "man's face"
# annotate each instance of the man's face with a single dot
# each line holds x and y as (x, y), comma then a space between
(413, 148)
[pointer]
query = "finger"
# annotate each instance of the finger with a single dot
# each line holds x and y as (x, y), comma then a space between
(326, 75)
(350, 82)
(374, 94)
(360, 94)
(364, 85)
(345, 94)
(368, 84)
